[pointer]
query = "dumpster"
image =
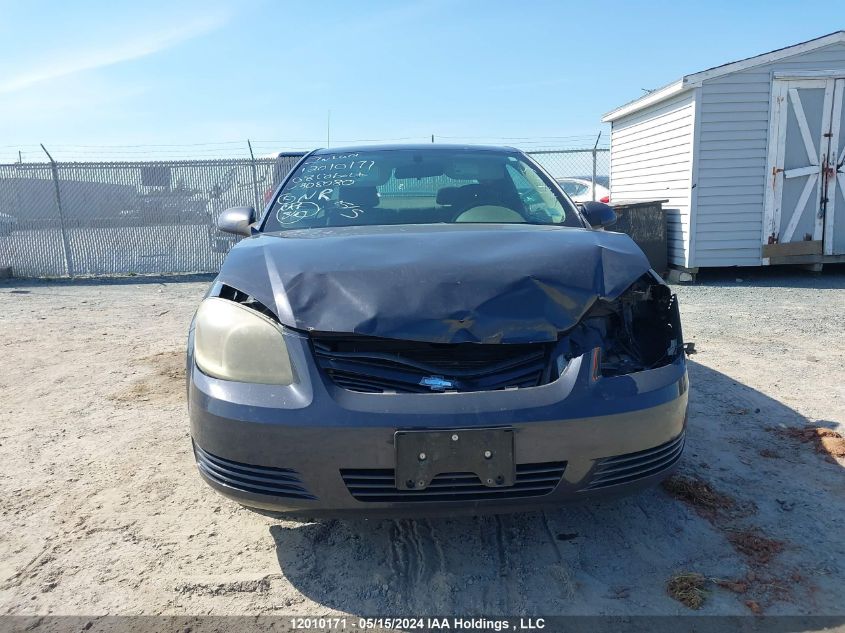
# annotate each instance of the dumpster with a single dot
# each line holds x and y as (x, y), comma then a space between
(645, 222)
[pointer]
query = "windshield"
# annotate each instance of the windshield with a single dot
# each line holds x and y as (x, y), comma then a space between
(416, 186)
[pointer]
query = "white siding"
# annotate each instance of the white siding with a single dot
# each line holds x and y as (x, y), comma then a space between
(731, 160)
(651, 159)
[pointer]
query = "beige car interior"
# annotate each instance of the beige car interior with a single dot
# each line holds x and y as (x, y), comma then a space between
(490, 213)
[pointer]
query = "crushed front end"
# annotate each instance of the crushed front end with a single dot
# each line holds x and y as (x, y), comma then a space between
(379, 426)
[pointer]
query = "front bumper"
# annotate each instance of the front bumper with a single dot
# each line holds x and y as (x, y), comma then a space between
(315, 449)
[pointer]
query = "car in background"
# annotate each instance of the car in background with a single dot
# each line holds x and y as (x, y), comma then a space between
(7, 224)
(429, 329)
(581, 190)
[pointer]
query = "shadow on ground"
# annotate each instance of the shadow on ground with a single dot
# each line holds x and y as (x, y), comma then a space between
(831, 277)
(123, 280)
(609, 557)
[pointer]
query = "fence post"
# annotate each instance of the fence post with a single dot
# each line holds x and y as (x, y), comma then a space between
(65, 243)
(595, 155)
(256, 199)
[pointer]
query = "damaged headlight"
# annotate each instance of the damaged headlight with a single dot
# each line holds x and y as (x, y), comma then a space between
(639, 330)
(643, 329)
(234, 342)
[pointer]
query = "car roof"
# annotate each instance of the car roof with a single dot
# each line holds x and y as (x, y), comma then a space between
(416, 147)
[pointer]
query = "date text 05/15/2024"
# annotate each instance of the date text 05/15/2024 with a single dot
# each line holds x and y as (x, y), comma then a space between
(417, 623)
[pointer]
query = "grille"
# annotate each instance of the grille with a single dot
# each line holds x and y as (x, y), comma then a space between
(532, 480)
(376, 365)
(631, 466)
(263, 480)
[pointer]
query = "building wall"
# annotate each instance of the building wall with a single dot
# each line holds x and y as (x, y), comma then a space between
(651, 159)
(731, 158)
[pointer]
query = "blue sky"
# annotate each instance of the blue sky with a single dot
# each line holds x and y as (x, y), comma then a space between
(104, 79)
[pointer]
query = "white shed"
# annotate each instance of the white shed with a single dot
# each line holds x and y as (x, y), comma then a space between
(749, 154)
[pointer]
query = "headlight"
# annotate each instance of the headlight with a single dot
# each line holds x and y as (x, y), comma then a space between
(233, 342)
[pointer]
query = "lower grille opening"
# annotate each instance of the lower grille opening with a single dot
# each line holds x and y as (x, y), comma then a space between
(622, 469)
(376, 365)
(262, 480)
(378, 485)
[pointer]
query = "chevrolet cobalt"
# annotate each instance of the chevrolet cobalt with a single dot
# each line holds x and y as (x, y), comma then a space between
(432, 329)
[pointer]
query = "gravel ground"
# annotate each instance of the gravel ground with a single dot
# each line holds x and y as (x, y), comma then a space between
(101, 510)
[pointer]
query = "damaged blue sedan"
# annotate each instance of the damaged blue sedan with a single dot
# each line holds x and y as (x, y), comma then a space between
(432, 330)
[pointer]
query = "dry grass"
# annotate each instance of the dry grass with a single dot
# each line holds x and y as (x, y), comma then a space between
(824, 440)
(688, 589)
(699, 494)
(752, 543)
(737, 586)
(754, 606)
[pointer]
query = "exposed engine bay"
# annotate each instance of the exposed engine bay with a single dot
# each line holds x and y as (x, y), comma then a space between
(639, 330)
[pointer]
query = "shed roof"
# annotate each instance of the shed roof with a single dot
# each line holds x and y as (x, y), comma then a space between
(687, 82)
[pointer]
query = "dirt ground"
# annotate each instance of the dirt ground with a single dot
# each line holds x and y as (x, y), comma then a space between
(102, 511)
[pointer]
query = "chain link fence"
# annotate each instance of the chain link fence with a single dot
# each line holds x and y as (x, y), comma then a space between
(591, 165)
(112, 218)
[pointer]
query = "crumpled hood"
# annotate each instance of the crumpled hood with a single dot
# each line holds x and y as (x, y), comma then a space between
(436, 283)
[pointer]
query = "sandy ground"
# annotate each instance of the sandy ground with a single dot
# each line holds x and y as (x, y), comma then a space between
(101, 510)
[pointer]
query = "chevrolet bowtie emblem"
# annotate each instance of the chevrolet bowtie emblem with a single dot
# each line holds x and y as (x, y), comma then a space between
(437, 383)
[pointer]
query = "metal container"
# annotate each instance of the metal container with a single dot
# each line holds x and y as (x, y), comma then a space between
(645, 222)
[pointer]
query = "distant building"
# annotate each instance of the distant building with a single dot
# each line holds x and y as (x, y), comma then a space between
(749, 154)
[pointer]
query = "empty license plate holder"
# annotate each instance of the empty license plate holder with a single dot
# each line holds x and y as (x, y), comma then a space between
(422, 455)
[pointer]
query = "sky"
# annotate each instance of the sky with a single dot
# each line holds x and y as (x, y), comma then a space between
(104, 80)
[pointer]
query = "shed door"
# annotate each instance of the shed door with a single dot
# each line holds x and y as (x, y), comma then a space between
(804, 152)
(834, 225)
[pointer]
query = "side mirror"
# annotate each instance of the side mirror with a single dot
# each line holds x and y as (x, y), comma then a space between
(236, 220)
(599, 214)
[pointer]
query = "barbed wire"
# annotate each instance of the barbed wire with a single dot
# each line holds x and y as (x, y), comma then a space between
(32, 152)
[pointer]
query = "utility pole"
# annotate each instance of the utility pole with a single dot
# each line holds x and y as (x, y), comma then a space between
(432, 138)
(329, 128)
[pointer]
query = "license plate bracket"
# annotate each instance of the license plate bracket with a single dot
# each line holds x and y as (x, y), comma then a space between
(422, 455)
